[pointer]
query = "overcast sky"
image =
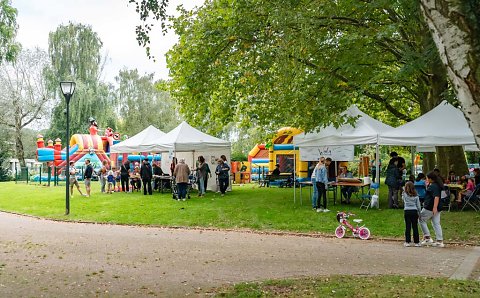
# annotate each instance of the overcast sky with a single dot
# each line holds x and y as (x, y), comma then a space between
(113, 20)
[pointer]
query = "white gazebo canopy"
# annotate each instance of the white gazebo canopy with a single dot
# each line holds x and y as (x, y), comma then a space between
(144, 141)
(185, 138)
(444, 125)
(365, 131)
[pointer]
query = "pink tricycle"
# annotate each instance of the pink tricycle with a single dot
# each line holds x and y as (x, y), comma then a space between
(342, 217)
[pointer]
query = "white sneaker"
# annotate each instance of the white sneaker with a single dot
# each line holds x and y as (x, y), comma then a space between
(319, 209)
(326, 210)
(428, 241)
(407, 244)
(418, 245)
(438, 244)
(184, 200)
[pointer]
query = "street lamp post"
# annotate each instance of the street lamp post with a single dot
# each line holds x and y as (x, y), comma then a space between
(68, 88)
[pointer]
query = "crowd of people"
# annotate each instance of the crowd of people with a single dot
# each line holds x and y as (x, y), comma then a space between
(134, 177)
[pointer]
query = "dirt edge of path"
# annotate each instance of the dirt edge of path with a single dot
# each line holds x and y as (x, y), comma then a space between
(240, 230)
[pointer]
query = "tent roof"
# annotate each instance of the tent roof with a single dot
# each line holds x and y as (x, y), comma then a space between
(444, 125)
(365, 131)
(143, 141)
(187, 138)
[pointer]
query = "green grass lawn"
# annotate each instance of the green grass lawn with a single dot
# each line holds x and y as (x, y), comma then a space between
(355, 286)
(248, 206)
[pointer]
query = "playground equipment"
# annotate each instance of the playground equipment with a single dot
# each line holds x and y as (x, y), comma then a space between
(281, 151)
(86, 146)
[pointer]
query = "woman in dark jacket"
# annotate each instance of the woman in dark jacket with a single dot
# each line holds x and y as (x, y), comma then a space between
(393, 180)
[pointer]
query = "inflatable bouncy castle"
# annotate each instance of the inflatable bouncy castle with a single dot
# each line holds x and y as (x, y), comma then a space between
(281, 151)
(90, 146)
(82, 146)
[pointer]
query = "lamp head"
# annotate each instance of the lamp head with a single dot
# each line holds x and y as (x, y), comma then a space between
(68, 88)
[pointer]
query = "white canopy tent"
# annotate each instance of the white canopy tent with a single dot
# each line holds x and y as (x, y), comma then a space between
(365, 131)
(187, 142)
(444, 125)
(144, 141)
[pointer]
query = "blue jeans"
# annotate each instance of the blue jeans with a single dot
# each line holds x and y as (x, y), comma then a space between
(182, 190)
(201, 186)
(315, 195)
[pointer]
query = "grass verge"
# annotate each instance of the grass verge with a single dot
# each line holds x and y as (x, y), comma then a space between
(248, 207)
(355, 286)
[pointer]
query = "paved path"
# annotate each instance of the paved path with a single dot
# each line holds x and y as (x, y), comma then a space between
(42, 257)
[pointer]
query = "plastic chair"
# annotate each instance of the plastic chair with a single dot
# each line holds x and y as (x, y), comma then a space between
(473, 200)
(367, 198)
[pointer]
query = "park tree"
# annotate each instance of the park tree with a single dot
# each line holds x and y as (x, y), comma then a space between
(8, 30)
(74, 51)
(275, 63)
(23, 94)
(455, 27)
(141, 102)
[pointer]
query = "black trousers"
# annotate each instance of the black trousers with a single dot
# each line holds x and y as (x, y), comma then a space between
(124, 181)
(411, 223)
(322, 192)
(147, 185)
(205, 182)
(223, 183)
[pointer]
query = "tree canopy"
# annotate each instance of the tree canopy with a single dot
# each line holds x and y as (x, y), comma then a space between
(301, 63)
(8, 31)
(141, 102)
(74, 51)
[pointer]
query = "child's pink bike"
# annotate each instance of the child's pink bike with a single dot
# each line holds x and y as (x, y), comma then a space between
(342, 217)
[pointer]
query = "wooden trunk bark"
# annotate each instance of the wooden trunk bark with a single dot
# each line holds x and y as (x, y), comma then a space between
(455, 28)
(451, 159)
(19, 151)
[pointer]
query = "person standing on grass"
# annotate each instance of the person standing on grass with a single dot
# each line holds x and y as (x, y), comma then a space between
(201, 174)
(222, 174)
(87, 177)
(205, 180)
(432, 208)
(181, 173)
(73, 179)
(321, 180)
(393, 180)
(124, 175)
(110, 181)
(146, 175)
(103, 175)
(411, 212)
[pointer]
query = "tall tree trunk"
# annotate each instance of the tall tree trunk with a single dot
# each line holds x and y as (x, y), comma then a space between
(455, 27)
(451, 159)
(19, 152)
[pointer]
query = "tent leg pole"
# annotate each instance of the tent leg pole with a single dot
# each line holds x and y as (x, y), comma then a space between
(377, 168)
(412, 150)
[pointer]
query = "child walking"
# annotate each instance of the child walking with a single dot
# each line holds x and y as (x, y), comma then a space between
(411, 211)
(110, 181)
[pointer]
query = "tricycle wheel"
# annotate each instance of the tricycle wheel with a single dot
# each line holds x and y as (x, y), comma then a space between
(363, 233)
(340, 231)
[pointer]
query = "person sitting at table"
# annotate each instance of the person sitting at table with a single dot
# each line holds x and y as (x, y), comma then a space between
(135, 179)
(437, 172)
(469, 188)
(451, 177)
(476, 173)
(276, 172)
(346, 190)
(157, 171)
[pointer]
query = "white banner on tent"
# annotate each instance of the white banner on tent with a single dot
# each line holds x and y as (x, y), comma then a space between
(341, 153)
